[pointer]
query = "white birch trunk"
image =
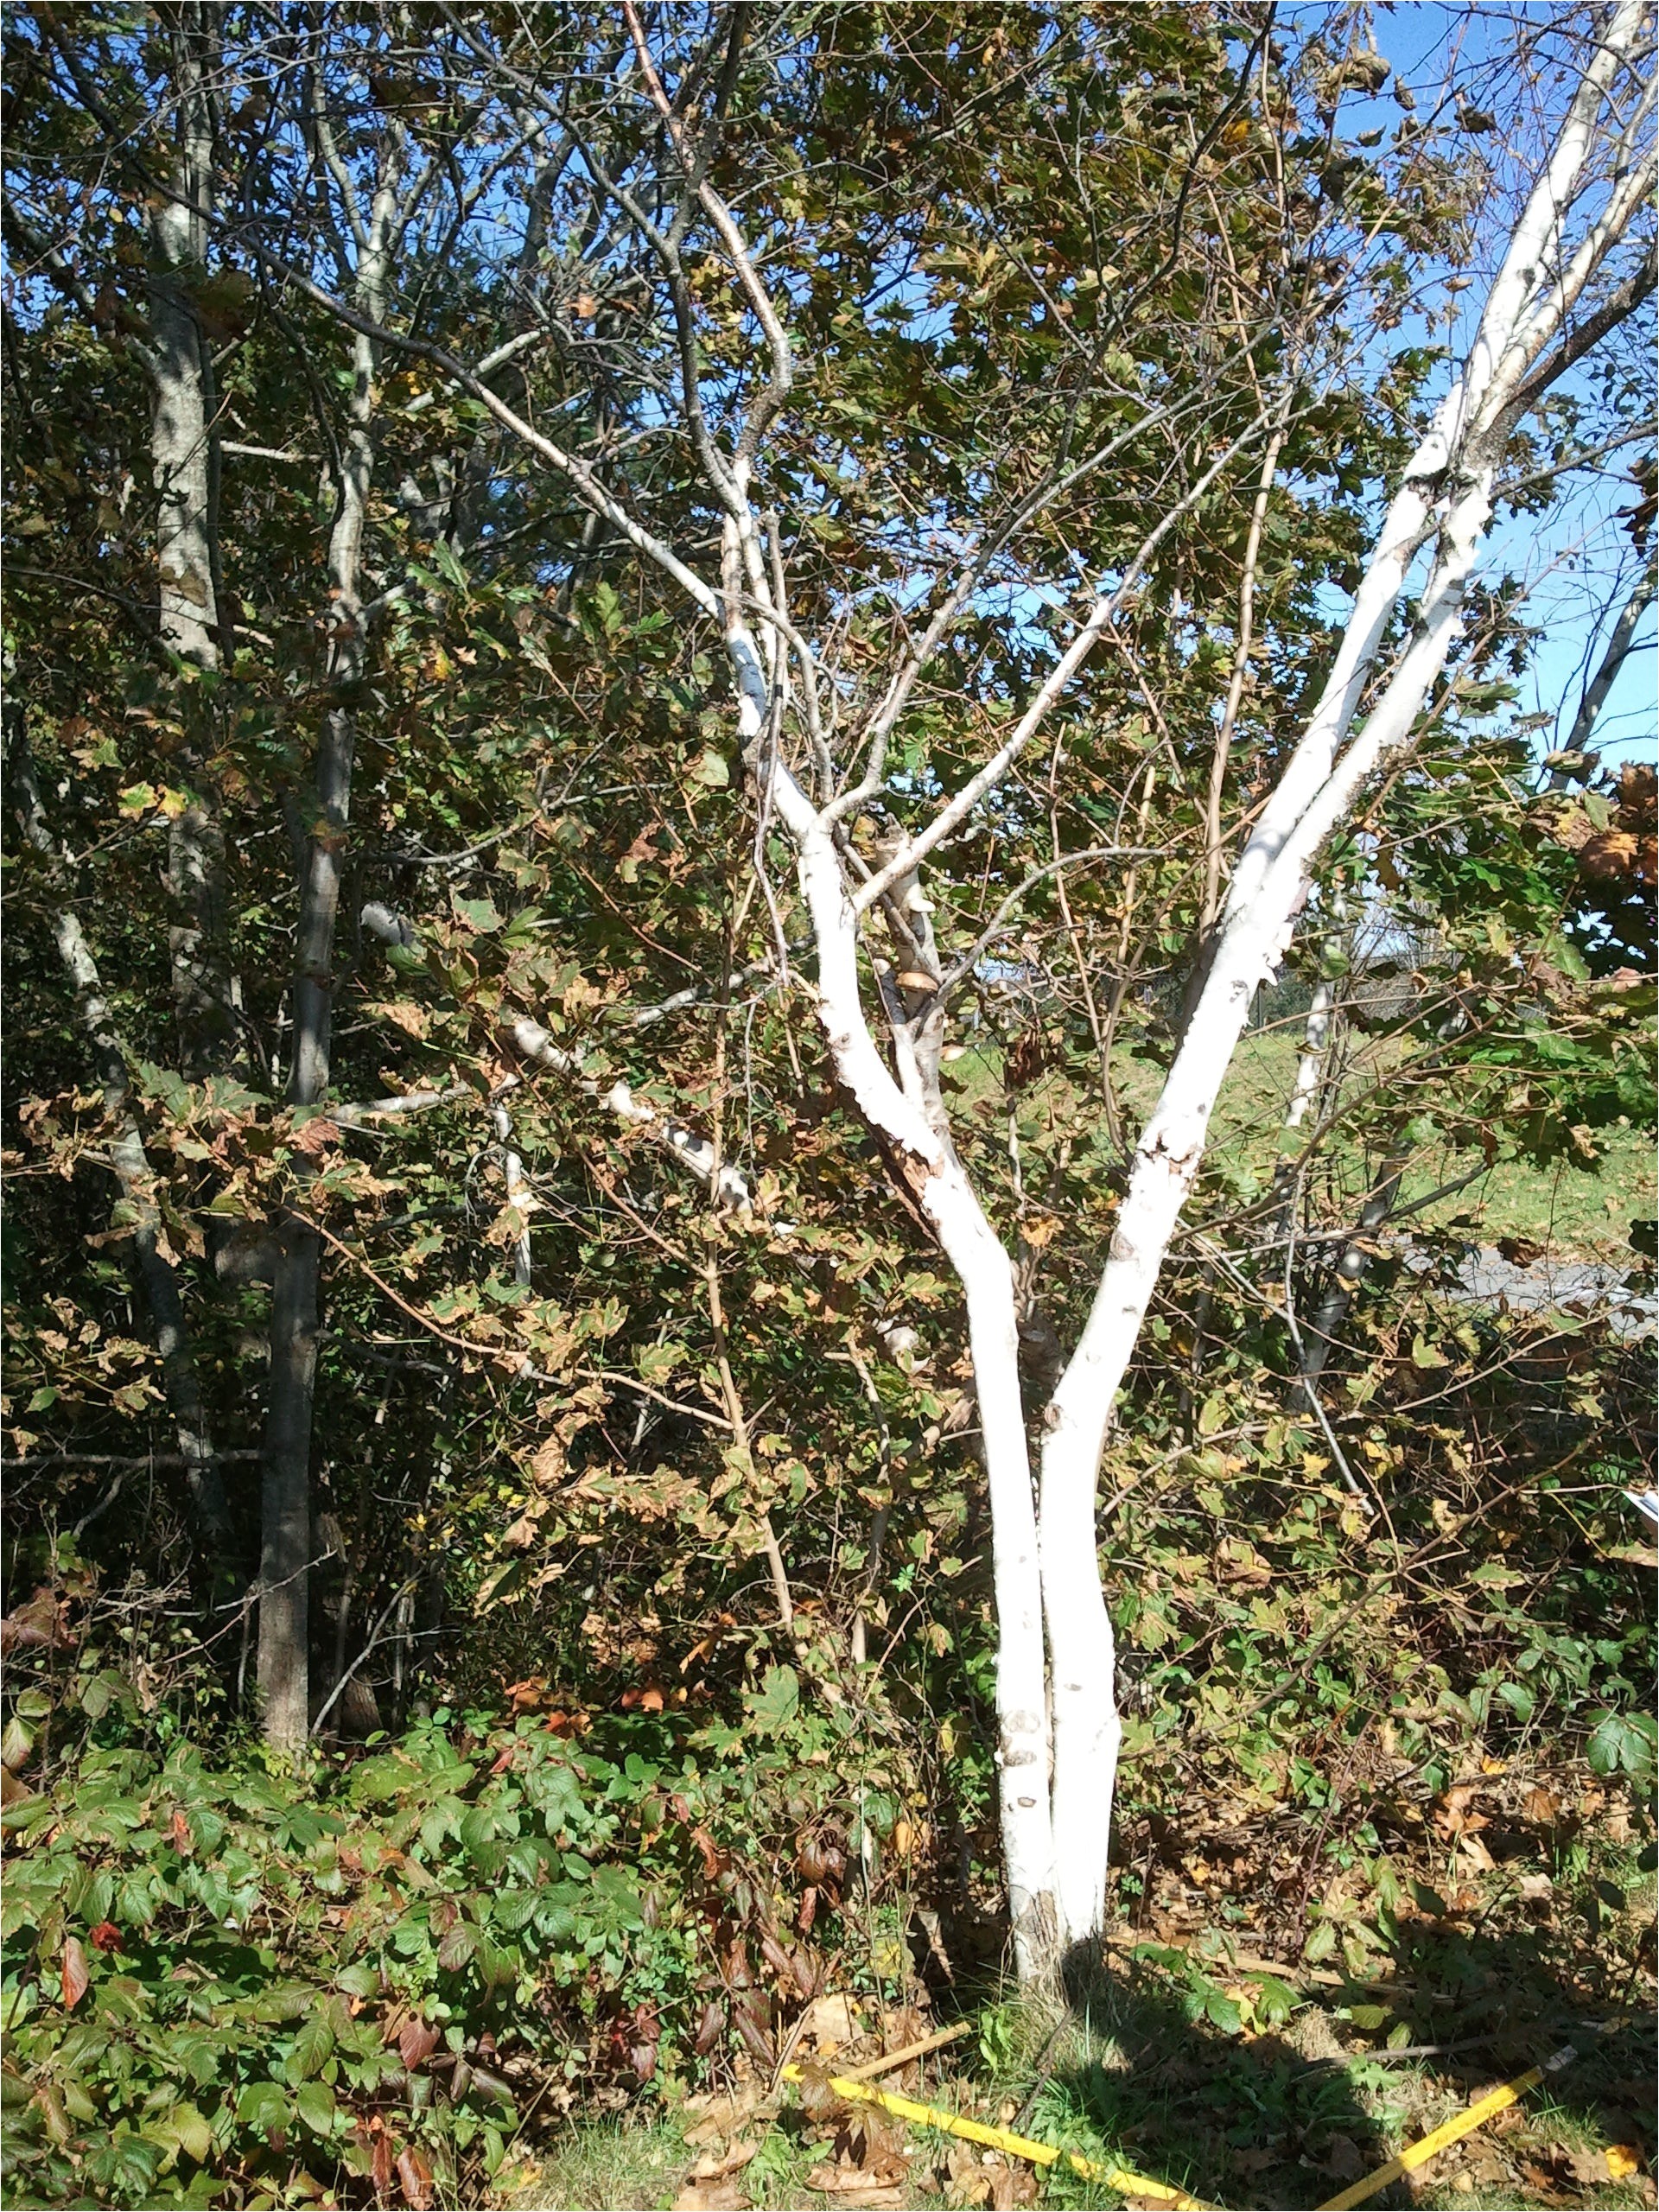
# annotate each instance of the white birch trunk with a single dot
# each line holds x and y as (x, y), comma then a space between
(923, 1155)
(1310, 1061)
(1449, 482)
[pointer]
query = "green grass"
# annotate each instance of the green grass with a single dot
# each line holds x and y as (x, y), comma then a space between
(627, 2164)
(1571, 1206)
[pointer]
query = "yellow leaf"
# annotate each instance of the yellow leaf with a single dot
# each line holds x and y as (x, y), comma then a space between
(1624, 2160)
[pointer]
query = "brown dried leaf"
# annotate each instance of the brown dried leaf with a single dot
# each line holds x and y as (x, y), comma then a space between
(1475, 1852)
(1344, 2160)
(854, 2186)
(710, 2197)
(819, 2102)
(417, 2040)
(717, 2118)
(416, 2177)
(76, 1979)
(830, 2021)
(1609, 856)
(316, 1136)
(718, 2164)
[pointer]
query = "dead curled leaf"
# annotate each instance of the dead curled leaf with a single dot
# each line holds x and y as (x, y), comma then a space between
(1344, 2160)
(716, 2119)
(416, 2177)
(854, 2185)
(717, 2164)
(710, 2197)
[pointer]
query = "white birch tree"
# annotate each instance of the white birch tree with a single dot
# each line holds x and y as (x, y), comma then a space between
(1550, 300)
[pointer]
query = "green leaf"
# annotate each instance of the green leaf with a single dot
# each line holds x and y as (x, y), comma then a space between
(195, 2137)
(263, 2107)
(1275, 2001)
(1623, 1742)
(447, 566)
(1519, 1699)
(775, 1705)
(712, 771)
(478, 914)
(313, 2048)
(314, 2104)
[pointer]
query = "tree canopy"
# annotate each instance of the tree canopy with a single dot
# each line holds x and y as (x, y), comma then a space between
(679, 683)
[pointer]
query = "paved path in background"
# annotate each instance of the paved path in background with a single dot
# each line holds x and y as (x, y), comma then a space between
(1548, 1285)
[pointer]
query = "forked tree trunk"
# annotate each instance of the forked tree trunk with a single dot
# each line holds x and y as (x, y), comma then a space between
(923, 1156)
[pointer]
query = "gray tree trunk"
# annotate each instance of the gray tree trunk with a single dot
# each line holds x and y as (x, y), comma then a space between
(1619, 648)
(136, 1180)
(183, 453)
(285, 1556)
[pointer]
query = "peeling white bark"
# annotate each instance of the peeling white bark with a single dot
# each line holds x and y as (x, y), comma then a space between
(519, 1197)
(1310, 1062)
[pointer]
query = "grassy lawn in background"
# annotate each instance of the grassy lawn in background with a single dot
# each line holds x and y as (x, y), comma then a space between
(1568, 1206)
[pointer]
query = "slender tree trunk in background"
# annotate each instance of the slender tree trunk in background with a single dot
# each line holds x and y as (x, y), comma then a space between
(1244, 640)
(285, 1552)
(183, 452)
(1619, 648)
(136, 1181)
(1311, 1063)
(181, 455)
(1346, 1276)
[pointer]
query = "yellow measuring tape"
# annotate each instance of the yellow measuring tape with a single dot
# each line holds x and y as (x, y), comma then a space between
(1128, 2183)
(1452, 2131)
(1016, 2147)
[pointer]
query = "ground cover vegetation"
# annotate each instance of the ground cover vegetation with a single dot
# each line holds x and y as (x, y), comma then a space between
(780, 902)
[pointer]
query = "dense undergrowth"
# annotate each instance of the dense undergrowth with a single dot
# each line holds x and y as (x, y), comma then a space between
(423, 1961)
(231, 1985)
